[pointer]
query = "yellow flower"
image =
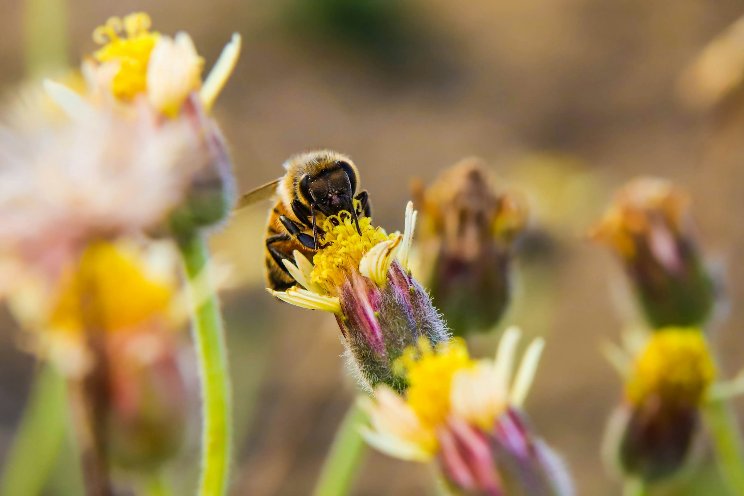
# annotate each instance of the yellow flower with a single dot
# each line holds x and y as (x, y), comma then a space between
(429, 373)
(110, 289)
(345, 250)
(446, 385)
(113, 288)
(134, 61)
(674, 366)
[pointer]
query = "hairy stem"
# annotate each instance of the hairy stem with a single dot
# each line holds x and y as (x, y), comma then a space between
(209, 340)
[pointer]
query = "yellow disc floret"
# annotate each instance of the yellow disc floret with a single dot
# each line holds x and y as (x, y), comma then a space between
(344, 249)
(675, 366)
(429, 372)
(110, 289)
(129, 43)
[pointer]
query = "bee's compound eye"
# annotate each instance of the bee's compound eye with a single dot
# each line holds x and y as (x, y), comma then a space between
(305, 186)
(349, 170)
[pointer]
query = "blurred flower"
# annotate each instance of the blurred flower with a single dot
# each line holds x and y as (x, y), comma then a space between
(364, 280)
(650, 228)
(138, 68)
(110, 288)
(464, 245)
(465, 415)
(717, 70)
(62, 185)
(110, 324)
(134, 61)
(666, 385)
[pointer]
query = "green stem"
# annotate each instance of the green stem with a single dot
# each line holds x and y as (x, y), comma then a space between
(209, 340)
(39, 436)
(634, 487)
(344, 457)
(727, 444)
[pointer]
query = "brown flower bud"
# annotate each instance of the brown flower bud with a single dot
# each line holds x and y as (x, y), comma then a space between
(649, 227)
(465, 245)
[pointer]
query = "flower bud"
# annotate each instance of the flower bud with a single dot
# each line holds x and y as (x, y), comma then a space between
(465, 245)
(650, 228)
(651, 434)
(363, 280)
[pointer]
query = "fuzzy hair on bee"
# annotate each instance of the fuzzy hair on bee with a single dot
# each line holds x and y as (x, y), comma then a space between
(316, 185)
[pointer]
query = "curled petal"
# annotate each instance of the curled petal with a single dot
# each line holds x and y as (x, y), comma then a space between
(173, 72)
(410, 224)
(376, 262)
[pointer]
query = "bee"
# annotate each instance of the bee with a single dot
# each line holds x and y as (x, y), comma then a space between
(316, 185)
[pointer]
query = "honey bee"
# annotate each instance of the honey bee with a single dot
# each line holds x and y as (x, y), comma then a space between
(316, 185)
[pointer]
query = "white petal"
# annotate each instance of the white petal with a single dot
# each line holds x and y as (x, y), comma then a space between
(505, 356)
(410, 224)
(477, 395)
(526, 372)
(305, 267)
(73, 104)
(376, 262)
(394, 446)
(221, 71)
(296, 273)
(173, 71)
(307, 299)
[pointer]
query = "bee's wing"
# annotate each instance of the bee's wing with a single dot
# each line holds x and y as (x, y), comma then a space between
(263, 192)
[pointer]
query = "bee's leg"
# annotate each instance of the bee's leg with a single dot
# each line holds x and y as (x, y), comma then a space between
(276, 254)
(302, 212)
(316, 231)
(363, 199)
(306, 240)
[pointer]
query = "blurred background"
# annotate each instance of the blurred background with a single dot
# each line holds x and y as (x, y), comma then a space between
(564, 99)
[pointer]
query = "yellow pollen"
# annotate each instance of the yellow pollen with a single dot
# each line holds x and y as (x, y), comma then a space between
(429, 373)
(129, 43)
(109, 289)
(675, 366)
(345, 248)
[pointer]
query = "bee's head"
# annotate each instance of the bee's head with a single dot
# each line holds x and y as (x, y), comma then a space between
(331, 190)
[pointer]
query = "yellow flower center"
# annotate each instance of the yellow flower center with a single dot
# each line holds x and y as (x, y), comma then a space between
(429, 373)
(129, 43)
(675, 366)
(109, 290)
(345, 248)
